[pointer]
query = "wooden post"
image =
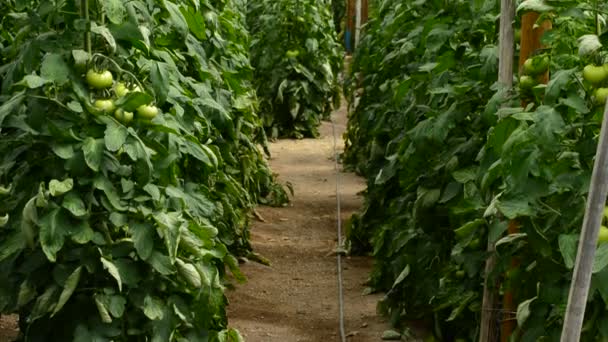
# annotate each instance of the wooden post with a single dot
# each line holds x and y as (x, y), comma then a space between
(350, 26)
(530, 42)
(581, 279)
(487, 330)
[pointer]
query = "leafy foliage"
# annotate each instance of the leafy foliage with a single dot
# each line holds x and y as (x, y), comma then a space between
(296, 57)
(115, 231)
(452, 159)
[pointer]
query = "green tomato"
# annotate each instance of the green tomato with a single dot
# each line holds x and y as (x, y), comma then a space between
(600, 95)
(526, 82)
(459, 274)
(147, 112)
(536, 65)
(594, 74)
(292, 53)
(122, 116)
(99, 80)
(122, 90)
(603, 237)
(105, 105)
(474, 244)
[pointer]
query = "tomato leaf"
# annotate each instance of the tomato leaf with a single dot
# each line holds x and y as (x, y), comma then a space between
(115, 136)
(68, 289)
(93, 152)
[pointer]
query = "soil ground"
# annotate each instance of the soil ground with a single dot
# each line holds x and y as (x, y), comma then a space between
(295, 299)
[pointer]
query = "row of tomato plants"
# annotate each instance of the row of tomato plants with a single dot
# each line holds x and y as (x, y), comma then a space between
(297, 59)
(452, 159)
(129, 161)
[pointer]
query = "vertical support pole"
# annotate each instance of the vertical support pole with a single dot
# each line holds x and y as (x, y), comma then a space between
(530, 42)
(350, 26)
(488, 331)
(357, 22)
(581, 279)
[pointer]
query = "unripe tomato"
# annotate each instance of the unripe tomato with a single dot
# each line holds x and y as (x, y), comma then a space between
(122, 116)
(603, 237)
(536, 65)
(121, 89)
(147, 112)
(292, 53)
(600, 95)
(105, 105)
(526, 82)
(99, 80)
(594, 74)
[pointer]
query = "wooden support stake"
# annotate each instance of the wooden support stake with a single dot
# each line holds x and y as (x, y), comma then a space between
(487, 330)
(530, 43)
(581, 279)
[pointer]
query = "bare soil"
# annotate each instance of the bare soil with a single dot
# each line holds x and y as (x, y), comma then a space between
(8, 328)
(295, 299)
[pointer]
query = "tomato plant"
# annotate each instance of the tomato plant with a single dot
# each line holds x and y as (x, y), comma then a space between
(451, 159)
(296, 57)
(125, 233)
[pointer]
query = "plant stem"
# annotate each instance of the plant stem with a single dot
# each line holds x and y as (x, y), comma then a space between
(84, 13)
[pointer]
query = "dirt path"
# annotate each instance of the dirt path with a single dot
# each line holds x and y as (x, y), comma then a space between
(296, 298)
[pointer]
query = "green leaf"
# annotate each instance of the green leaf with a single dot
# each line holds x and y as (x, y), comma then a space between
(3, 220)
(34, 81)
(511, 238)
(102, 309)
(523, 311)
(58, 188)
(102, 183)
(68, 289)
(159, 75)
(105, 33)
(115, 136)
(601, 258)
(113, 270)
(534, 6)
(54, 68)
(169, 227)
(10, 106)
(557, 83)
(74, 204)
(465, 175)
(114, 10)
(29, 220)
(93, 152)
(75, 106)
(81, 57)
(143, 239)
(53, 228)
(515, 207)
(161, 263)
(568, 246)
(153, 308)
(133, 100)
(176, 19)
(189, 272)
(63, 151)
(44, 303)
(404, 273)
(588, 44)
(196, 23)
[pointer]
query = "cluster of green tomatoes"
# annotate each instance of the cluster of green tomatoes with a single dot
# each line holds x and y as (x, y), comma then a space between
(102, 80)
(597, 75)
(532, 69)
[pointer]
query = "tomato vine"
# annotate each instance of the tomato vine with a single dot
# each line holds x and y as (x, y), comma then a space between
(115, 227)
(450, 158)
